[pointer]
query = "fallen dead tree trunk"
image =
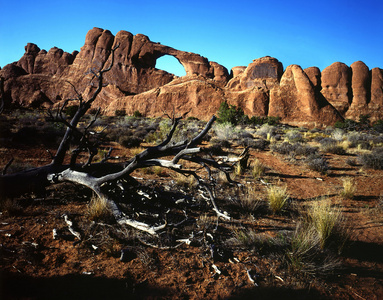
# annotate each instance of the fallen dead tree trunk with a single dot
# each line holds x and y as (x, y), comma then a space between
(97, 176)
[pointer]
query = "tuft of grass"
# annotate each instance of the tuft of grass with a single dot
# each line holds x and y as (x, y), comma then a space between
(349, 188)
(185, 181)
(277, 198)
(328, 222)
(238, 169)
(10, 207)
(249, 201)
(305, 253)
(99, 209)
(258, 169)
(206, 222)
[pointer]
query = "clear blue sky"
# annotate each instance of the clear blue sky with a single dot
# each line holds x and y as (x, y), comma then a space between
(232, 33)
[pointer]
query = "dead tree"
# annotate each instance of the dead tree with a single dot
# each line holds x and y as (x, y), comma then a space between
(96, 175)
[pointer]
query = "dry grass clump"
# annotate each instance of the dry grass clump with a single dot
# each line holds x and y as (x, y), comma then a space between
(305, 253)
(10, 207)
(99, 209)
(349, 188)
(185, 181)
(277, 198)
(206, 222)
(258, 169)
(249, 202)
(328, 222)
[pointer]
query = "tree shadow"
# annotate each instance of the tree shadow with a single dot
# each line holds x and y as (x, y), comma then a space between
(75, 286)
(276, 292)
(364, 251)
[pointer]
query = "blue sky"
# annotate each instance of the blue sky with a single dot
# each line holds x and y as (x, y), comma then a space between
(232, 33)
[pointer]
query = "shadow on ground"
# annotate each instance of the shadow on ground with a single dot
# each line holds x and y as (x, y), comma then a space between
(20, 287)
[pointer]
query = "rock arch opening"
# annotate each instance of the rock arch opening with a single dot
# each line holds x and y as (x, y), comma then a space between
(170, 64)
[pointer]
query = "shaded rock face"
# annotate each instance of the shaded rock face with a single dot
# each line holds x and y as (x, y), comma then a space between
(300, 97)
(336, 86)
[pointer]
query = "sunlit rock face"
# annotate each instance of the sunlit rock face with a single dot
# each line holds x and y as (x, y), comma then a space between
(263, 88)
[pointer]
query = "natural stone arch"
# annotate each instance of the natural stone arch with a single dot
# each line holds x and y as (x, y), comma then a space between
(170, 64)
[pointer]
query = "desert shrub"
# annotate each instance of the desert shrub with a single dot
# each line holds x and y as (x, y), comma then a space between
(349, 188)
(364, 120)
(373, 160)
(267, 131)
(231, 114)
(259, 144)
(129, 141)
(317, 163)
(71, 110)
(337, 134)
(249, 239)
(137, 114)
(277, 198)
(333, 148)
(217, 146)
(273, 120)
(355, 139)
(347, 124)
(378, 126)
(120, 113)
(292, 150)
(225, 131)
(294, 136)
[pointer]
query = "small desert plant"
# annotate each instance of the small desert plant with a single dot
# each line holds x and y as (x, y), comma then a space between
(292, 150)
(225, 131)
(10, 207)
(305, 253)
(120, 112)
(137, 114)
(294, 136)
(99, 209)
(337, 134)
(328, 222)
(185, 181)
(266, 131)
(317, 163)
(129, 141)
(70, 111)
(349, 188)
(239, 169)
(258, 169)
(206, 222)
(277, 198)
(231, 114)
(249, 202)
(373, 160)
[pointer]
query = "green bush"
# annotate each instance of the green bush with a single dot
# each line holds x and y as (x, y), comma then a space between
(120, 113)
(71, 110)
(347, 124)
(231, 114)
(137, 114)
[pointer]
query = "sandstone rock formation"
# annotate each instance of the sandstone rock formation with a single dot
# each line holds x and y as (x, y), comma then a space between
(300, 97)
